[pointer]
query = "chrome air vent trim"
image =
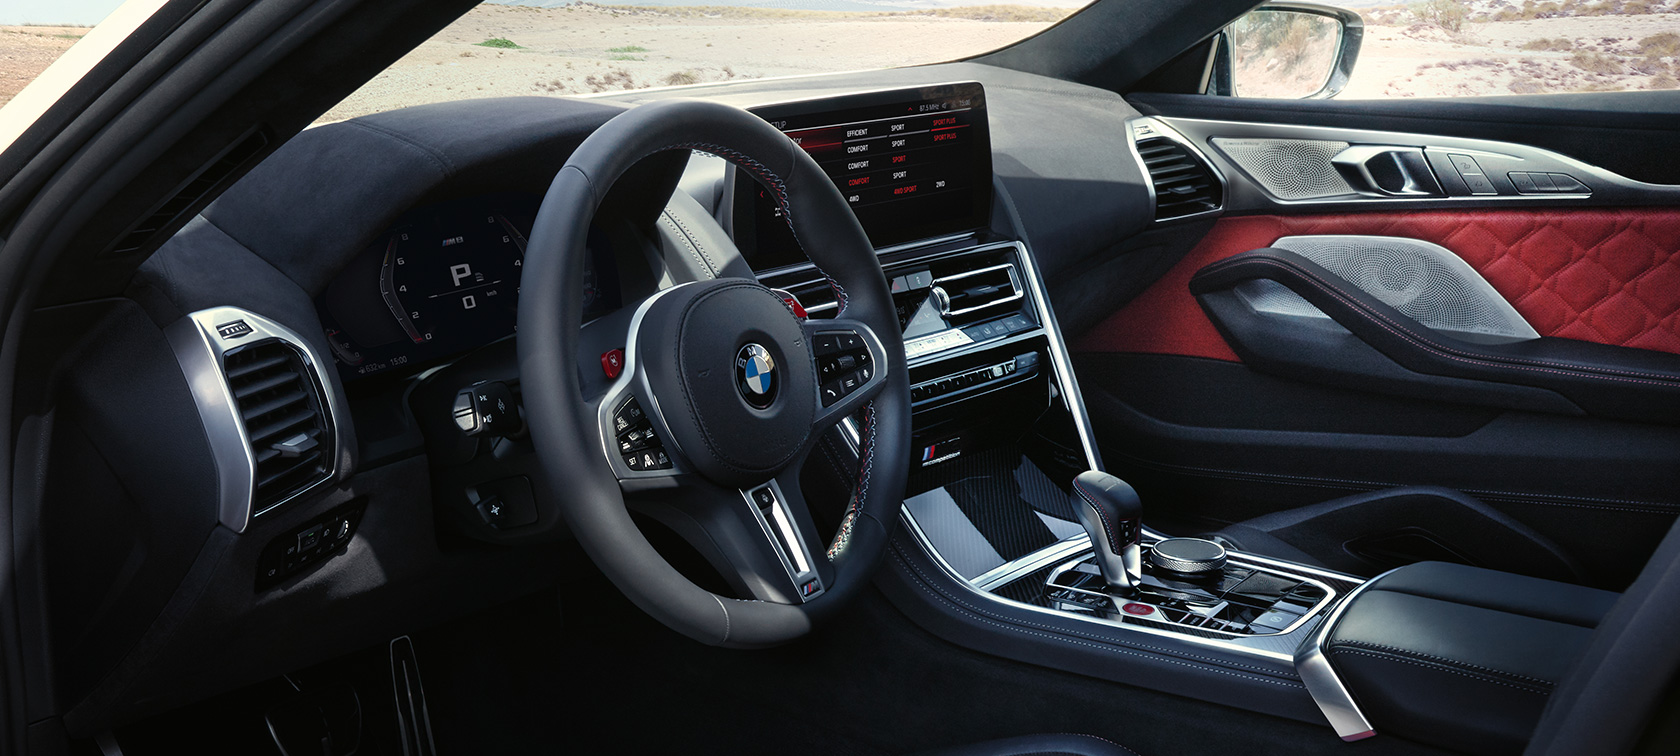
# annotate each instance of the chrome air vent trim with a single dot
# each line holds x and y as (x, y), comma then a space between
(200, 340)
(1145, 129)
(1007, 271)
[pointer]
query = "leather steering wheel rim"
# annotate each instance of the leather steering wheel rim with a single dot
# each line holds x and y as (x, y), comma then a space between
(575, 474)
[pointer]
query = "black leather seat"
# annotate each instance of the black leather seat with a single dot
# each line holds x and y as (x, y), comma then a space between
(1058, 744)
(1461, 657)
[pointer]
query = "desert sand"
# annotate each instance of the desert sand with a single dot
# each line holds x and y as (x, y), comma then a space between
(26, 51)
(584, 49)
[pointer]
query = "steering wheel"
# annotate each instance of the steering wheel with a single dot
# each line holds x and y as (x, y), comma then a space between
(726, 379)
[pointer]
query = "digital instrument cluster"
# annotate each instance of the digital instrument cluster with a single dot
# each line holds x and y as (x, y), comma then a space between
(442, 281)
(911, 163)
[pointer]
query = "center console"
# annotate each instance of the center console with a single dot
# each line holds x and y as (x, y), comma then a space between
(1020, 542)
(1000, 433)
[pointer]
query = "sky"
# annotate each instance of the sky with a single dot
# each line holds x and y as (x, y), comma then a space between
(90, 12)
(74, 12)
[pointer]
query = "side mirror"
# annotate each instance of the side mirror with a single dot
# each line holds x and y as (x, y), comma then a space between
(1287, 50)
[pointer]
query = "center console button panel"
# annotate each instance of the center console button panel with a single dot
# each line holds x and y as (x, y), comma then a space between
(1241, 599)
(990, 375)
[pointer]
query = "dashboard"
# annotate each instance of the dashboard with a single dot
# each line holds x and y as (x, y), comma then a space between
(392, 245)
(444, 279)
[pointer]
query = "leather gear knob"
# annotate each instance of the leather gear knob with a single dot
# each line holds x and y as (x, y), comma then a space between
(1112, 515)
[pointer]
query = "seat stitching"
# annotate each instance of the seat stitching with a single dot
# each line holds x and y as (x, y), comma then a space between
(1443, 659)
(1097, 737)
(778, 186)
(680, 233)
(1108, 530)
(1407, 591)
(1440, 668)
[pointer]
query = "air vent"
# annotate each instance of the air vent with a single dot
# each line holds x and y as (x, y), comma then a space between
(1184, 184)
(169, 216)
(282, 410)
(972, 294)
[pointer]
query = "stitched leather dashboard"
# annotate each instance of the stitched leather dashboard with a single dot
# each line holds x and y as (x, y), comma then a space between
(1607, 276)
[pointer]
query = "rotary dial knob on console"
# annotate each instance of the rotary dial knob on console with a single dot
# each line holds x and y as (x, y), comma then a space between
(1188, 556)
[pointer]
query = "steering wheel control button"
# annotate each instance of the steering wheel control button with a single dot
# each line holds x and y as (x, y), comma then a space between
(844, 364)
(638, 445)
(1188, 556)
(755, 375)
(612, 363)
(627, 416)
(486, 408)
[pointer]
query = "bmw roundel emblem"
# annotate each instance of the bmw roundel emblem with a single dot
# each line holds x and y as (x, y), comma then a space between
(755, 375)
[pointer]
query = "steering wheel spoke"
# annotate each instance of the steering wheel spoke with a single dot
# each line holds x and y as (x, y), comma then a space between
(850, 368)
(758, 538)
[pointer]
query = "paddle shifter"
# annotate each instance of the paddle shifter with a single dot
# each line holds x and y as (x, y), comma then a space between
(1113, 517)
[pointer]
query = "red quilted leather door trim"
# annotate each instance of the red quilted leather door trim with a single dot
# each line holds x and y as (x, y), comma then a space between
(1607, 276)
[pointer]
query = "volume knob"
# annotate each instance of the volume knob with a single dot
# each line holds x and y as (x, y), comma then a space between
(1188, 556)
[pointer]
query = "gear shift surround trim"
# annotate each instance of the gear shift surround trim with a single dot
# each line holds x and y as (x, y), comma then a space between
(1217, 610)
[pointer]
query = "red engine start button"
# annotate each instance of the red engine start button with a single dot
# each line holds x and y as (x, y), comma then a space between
(1140, 610)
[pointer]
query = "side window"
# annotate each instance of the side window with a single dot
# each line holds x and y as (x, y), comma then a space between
(1358, 49)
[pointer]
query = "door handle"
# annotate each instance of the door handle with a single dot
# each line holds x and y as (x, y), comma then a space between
(1388, 171)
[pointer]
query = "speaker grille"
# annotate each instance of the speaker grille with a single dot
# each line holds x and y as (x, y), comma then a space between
(1425, 282)
(1290, 169)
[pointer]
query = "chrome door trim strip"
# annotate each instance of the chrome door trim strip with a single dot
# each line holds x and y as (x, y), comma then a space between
(1607, 188)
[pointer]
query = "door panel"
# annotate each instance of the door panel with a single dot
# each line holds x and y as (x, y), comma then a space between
(1608, 276)
(1219, 440)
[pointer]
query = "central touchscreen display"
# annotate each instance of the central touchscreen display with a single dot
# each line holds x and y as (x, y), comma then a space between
(912, 163)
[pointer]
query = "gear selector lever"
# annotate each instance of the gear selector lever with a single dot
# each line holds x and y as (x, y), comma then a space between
(1112, 515)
